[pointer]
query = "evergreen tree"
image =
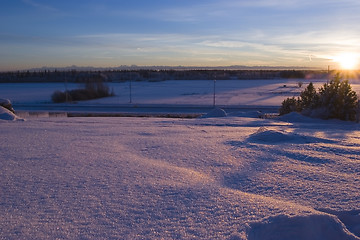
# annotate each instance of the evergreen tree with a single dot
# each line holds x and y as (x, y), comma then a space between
(339, 99)
(309, 97)
(290, 105)
(334, 100)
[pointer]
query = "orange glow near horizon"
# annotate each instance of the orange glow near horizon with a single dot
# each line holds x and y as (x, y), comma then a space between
(347, 61)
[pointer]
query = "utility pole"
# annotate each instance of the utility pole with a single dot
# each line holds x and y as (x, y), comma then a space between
(66, 89)
(214, 99)
(130, 93)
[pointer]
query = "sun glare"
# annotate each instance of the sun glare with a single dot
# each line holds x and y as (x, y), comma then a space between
(347, 61)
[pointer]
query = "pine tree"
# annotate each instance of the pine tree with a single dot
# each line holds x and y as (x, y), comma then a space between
(290, 105)
(309, 98)
(334, 100)
(339, 99)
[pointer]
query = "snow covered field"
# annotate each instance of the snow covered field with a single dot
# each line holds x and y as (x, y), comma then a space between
(233, 177)
(199, 92)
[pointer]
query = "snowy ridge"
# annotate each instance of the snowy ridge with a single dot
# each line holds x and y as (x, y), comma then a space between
(268, 136)
(271, 136)
(283, 227)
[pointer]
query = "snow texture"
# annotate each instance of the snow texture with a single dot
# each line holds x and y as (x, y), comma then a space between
(152, 178)
(234, 177)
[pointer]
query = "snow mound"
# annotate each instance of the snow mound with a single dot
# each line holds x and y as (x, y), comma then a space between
(351, 219)
(266, 136)
(217, 112)
(296, 117)
(5, 114)
(283, 227)
(271, 136)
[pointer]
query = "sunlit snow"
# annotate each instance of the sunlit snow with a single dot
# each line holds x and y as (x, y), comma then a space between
(224, 176)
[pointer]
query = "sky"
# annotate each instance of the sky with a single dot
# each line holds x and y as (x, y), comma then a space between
(110, 33)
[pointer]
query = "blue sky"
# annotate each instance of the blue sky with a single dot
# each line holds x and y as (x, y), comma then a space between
(109, 33)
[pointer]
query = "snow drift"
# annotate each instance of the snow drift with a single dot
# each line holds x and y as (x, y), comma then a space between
(231, 177)
(217, 112)
(295, 117)
(315, 227)
(271, 136)
(5, 114)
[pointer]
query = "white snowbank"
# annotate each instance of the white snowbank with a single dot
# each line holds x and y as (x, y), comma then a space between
(283, 227)
(217, 112)
(271, 136)
(5, 114)
(297, 117)
(268, 136)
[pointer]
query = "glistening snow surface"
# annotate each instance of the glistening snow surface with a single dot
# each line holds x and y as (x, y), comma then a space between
(225, 176)
(153, 178)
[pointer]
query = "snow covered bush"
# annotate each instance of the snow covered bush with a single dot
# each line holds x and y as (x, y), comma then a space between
(333, 100)
(6, 103)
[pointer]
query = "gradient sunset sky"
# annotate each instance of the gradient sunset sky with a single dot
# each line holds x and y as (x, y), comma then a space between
(110, 33)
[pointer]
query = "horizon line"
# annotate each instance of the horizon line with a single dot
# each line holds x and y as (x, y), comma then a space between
(169, 67)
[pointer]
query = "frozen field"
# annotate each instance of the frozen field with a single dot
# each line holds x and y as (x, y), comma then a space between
(200, 92)
(233, 177)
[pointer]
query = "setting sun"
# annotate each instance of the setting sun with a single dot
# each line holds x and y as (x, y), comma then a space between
(347, 61)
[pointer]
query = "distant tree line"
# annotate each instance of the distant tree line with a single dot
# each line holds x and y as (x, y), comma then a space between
(155, 75)
(92, 90)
